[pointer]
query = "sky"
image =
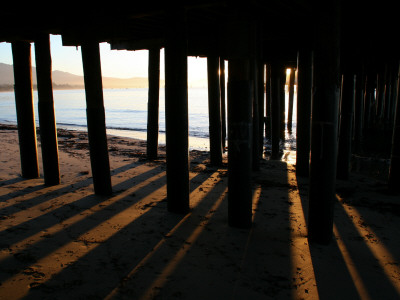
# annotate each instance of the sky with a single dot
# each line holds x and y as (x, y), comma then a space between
(114, 63)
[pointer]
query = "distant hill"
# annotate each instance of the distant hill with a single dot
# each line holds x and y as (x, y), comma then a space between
(65, 80)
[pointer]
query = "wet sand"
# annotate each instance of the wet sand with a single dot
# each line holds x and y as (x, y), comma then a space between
(64, 242)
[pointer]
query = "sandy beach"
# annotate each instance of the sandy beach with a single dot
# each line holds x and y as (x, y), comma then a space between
(64, 242)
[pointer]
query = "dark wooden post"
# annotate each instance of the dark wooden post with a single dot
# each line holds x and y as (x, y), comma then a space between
(358, 111)
(282, 100)
(214, 110)
(291, 99)
(96, 118)
(393, 94)
(240, 131)
(303, 131)
(240, 144)
(261, 105)
(223, 101)
(391, 97)
(268, 101)
(381, 93)
(324, 124)
(176, 113)
(368, 101)
(21, 52)
(153, 103)
(48, 131)
(394, 172)
(275, 79)
(256, 155)
(346, 125)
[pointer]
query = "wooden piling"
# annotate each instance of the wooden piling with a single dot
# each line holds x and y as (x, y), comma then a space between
(48, 131)
(324, 123)
(96, 118)
(267, 119)
(176, 113)
(275, 103)
(261, 106)
(346, 125)
(240, 143)
(358, 111)
(291, 99)
(256, 155)
(153, 103)
(223, 101)
(394, 171)
(21, 52)
(368, 103)
(214, 110)
(381, 93)
(282, 100)
(303, 131)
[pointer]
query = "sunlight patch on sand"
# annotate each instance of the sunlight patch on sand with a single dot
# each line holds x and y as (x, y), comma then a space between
(377, 248)
(76, 248)
(174, 261)
(351, 267)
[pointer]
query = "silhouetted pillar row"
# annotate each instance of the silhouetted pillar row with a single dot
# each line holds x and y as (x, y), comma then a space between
(239, 143)
(96, 119)
(214, 110)
(21, 52)
(176, 114)
(394, 172)
(153, 103)
(346, 126)
(48, 131)
(303, 130)
(324, 123)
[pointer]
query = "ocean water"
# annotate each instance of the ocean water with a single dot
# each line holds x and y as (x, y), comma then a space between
(126, 114)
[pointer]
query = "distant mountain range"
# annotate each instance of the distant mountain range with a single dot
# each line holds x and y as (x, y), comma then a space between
(65, 80)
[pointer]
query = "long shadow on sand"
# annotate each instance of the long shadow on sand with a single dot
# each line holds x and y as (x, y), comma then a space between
(346, 268)
(133, 248)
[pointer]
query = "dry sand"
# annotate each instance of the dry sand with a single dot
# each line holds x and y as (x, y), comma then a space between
(64, 242)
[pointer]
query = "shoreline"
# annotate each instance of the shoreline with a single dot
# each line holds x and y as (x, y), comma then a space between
(195, 143)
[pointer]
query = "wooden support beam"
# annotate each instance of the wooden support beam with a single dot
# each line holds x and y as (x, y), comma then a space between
(256, 155)
(96, 118)
(394, 171)
(346, 125)
(303, 131)
(291, 99)
(47, 121)
(268, 101)
(282, 102)
(261, 106)
(214, 110)
(153, 103)
(275, 103)
(223, 100)
(368, 102)
(324, 123)
(21, 52)
(358, 111)
(176, 113)
(239, 141)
